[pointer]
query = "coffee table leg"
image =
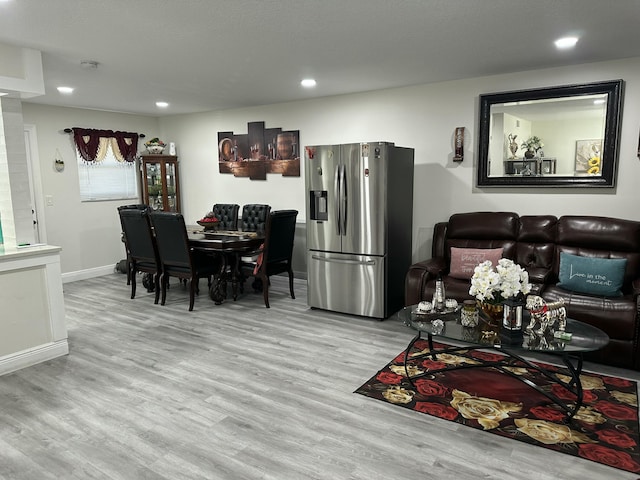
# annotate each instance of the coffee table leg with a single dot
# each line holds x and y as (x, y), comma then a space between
(430, 343)
(406, 356)
(575, 382)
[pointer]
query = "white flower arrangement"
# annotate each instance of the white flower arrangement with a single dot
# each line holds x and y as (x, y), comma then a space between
(507, 280)
(532, 143)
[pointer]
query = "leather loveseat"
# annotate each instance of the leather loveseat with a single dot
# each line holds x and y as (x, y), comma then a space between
(537, 243)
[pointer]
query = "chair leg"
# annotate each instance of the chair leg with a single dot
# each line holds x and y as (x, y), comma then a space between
(291, 284)
(129, 271)
(265, 290)
(192, 292)
(164, 280)
(156, 284)
(133, 284)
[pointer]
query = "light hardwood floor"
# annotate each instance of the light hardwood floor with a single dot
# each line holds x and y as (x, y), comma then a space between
(236, 391)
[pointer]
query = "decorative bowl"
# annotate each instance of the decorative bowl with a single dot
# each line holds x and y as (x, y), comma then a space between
(155, 148)
(209, 225)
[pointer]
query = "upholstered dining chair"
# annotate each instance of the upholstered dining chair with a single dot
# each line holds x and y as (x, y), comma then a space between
(276, 252)
(227, 215)
(177, 258)
(135, 206)
(142, 251)
(254, 217)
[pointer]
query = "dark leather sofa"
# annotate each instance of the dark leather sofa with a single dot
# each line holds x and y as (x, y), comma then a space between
(536, 242)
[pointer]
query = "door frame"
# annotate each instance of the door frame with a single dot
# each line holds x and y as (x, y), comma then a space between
(35, 183)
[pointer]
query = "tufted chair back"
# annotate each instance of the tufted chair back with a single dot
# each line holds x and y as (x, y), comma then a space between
(227, 215)
(254, 217)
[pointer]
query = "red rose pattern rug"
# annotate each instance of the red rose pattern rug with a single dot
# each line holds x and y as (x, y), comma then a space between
(605, 430)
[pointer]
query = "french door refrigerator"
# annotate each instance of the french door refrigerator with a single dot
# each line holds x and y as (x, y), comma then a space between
(359, 210)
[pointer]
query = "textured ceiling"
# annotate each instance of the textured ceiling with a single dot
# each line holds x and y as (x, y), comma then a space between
(202, 55)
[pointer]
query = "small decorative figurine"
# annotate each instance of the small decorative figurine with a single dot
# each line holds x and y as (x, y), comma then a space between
(513, 145)
(545, 315)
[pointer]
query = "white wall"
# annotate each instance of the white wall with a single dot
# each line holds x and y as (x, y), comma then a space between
(423, 117)
(88, 232)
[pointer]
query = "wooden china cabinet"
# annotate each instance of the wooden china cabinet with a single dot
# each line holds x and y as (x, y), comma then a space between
(160, 182)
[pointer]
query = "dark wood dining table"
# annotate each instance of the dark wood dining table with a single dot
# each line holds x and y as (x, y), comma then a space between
(228, 246)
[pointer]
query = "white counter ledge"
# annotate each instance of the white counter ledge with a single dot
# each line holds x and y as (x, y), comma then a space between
(32, 316)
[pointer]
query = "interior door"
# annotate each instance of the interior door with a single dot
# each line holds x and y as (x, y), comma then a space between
(35, 183)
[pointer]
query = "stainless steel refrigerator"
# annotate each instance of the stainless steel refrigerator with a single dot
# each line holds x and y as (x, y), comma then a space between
(359, 210)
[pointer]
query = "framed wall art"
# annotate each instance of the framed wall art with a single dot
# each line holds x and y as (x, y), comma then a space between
(588, 157)
(260, 151)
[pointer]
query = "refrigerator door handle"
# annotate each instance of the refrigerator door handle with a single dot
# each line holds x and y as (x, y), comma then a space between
(337, 186)
(345, 198)
(350, 262)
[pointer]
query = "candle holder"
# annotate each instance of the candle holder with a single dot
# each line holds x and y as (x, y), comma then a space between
(511, 331)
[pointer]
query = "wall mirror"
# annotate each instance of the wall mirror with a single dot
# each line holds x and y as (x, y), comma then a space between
(564, 136)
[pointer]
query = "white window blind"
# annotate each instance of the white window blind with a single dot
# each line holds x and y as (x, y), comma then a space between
(107, 179)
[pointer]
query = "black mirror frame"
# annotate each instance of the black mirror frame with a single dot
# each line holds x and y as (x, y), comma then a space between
(614, 91)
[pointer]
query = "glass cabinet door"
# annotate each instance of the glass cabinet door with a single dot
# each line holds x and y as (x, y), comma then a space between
(170, 176)
(154, 185)
(161, 189)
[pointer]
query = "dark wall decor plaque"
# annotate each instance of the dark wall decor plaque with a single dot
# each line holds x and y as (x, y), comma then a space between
(260, 151)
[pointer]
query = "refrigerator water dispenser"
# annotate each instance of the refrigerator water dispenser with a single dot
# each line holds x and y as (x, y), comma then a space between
(318, 204)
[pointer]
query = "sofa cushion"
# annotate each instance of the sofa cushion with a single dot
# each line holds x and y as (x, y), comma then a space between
(595, 276)
(465, 260)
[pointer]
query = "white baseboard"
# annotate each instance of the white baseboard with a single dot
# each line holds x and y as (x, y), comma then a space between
(32, 356)
(88, 273)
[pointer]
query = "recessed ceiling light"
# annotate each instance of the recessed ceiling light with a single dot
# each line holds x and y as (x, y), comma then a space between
(566, 42)
(65, 90)
(308, 83)
(162, 104)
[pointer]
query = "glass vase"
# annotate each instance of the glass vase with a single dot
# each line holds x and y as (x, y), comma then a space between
(492, 312)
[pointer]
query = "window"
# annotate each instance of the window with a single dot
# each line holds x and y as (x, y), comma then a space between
(106, 164)
(108, 179)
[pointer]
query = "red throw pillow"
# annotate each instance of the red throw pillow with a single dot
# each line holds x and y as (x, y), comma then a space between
(464, 260)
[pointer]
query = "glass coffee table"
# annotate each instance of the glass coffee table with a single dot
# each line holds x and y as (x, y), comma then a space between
(584, 338)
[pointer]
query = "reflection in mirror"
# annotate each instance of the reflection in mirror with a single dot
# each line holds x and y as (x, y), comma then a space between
(559, 136)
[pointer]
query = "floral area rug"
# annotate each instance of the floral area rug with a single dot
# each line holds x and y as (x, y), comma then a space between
(605, 429)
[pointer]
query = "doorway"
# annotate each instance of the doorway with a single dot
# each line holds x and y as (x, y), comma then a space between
(35, 184)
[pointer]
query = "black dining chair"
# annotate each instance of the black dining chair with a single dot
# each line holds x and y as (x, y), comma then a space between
(227, 215)
(177, 257)
(254, 217)
(135, 206)
(142, 251)
(276, 252)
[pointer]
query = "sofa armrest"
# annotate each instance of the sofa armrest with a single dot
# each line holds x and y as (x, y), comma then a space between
(418, 275)
(635, 287)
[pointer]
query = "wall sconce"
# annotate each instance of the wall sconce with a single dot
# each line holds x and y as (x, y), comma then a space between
(459, 145)
(58, 163)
